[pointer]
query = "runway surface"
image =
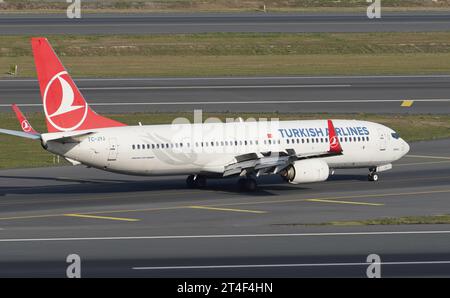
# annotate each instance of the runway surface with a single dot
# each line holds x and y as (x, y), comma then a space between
(140, 226)
(222, 22)
(339, 94)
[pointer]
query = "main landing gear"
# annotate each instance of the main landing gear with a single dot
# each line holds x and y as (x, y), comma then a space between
(196, 181)
(373, 175)
(247, 184)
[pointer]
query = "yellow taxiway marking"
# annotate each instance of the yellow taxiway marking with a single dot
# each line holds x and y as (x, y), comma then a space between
(407, 103)
(226, 209)
(343, 197)
(101, 217)
(429, 156)
(343, 202)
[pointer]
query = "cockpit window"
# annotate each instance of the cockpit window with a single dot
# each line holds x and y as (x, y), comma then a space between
(395, 135)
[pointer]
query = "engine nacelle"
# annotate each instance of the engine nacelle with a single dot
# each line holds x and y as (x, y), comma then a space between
(306, 171)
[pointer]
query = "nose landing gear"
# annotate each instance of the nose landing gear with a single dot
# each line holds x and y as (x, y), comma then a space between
(373, 175)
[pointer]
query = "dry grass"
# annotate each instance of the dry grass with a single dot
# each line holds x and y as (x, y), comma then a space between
(218, 5)
(195, 66)
(231, 54)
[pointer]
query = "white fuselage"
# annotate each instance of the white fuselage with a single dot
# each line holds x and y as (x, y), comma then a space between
(210, 147)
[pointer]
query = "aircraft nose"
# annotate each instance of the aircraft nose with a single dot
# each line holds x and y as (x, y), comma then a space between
(405, 148)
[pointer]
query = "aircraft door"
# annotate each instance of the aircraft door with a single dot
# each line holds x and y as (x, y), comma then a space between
(382, 139)
(113, 149)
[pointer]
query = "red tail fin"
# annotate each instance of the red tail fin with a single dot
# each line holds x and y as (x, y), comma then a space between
(26, 126)
(64, 106)
(335, 145)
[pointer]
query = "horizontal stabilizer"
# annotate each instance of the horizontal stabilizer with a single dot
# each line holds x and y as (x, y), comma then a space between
(20, 134)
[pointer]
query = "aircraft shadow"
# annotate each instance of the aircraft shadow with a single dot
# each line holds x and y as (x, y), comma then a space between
(267, 186)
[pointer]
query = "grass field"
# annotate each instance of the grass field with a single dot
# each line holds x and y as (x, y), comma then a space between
(232, 54)
(220, 5)
(18, 152)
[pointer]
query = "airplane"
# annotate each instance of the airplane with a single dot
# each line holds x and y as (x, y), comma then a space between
(301, 151)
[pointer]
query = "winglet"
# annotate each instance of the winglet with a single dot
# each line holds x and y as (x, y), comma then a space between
(335, 145)
(26, 126)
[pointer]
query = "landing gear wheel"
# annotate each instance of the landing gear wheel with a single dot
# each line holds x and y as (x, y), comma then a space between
(200, 181)
(190, 181)
(196, 181)
(373, 176)
(247, 184)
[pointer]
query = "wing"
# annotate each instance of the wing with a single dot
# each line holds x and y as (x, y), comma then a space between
(274, 162)
(27, 131)
(20, 134)
(24, 123)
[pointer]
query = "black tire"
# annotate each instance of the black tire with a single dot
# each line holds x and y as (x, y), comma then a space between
(241, 184)
(200, 181)
(247, 184)
(373, 177)
(190, 181)
(250, 184)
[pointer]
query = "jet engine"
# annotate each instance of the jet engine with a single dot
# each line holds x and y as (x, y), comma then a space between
(306, 171)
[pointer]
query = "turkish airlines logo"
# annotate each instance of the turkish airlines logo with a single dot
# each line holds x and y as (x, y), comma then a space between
(64, 106)
(334, 142)
(26, 127)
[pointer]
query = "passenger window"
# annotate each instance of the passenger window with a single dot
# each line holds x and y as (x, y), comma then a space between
(134, 147)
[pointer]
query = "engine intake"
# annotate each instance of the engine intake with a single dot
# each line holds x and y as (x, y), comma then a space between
(306, 171)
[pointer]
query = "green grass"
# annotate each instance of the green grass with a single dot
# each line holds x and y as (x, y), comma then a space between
(17, 152)
(233, 54)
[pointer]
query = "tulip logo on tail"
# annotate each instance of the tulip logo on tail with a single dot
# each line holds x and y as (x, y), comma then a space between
(26, 126)
(65, 109)
(334, 143)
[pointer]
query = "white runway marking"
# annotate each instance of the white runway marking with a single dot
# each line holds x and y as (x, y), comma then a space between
(242, 102)
(239, 78)
(428, 156)
(216, 87)
(289, 265)
(228, 236)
